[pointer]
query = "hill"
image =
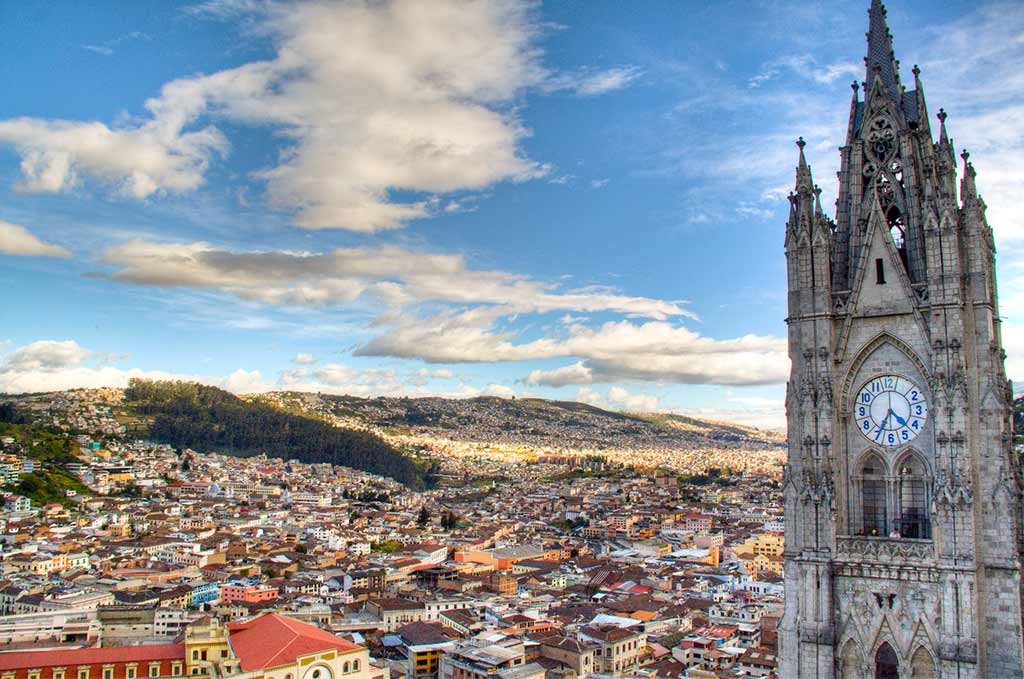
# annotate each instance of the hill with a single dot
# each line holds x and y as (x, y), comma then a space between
(525, 421)
(191, 415)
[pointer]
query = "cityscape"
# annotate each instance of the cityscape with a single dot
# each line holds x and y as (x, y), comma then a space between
(511, 340)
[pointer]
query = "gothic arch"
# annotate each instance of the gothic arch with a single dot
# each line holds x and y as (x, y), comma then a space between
(871, 514)
(886, 662)
(851, 661)
(882, 338)
(922, 664)
(909, 456)
(871, 454)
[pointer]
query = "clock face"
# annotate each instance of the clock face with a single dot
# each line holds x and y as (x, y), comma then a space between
(890, 410)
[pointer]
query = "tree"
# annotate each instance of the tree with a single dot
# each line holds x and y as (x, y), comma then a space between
(424, 518)
(449, 520)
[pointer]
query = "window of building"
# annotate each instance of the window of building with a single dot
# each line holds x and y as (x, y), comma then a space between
(346, 668)
(874, 513)
(129, 673)
(887, 664)
(83, 674)
(176, 669)
(34, 675)
(108, 673)
(880, 271)
(154, 670)
(58, 674)
(912, 492)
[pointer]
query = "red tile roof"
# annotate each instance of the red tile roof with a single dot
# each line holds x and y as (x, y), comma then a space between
(90, 656)
(273, 640)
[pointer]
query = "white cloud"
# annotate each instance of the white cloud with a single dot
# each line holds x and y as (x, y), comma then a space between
(303, 358)
(618, 398)
(590, 82)
(390, 275)
(499, 390)
(575, 373)
(50, 365)
(17, 240)
(622, 350)
(372, 98)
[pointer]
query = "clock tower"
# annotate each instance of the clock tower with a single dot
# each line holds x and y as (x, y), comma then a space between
(902, 490)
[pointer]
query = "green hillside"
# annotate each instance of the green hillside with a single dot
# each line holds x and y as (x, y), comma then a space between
(208, 419)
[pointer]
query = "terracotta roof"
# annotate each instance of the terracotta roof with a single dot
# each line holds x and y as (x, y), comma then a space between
(90, 656)
(273, 640)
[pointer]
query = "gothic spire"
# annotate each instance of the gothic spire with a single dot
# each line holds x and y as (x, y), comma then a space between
(881, 60)
(804, 183)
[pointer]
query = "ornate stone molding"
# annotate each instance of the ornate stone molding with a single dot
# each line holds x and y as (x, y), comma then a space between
(885, 550)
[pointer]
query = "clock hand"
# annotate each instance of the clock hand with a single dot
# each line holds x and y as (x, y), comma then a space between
(881, 427)
(898, 418)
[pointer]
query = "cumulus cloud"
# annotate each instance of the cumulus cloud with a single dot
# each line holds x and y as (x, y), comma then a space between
(51, 365)
(618, 398)
(17, 240)
(390, 275)
(303, 358)
(372, 99)
(617, 350)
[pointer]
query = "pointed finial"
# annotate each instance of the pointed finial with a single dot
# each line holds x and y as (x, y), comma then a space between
(801, 143)
(916, 71)
(943, 138)
(855, 86)
(965, 155)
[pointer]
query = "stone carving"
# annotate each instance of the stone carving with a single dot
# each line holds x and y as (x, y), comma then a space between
(885, 550)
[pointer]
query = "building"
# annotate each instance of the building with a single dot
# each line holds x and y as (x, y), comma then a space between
(267, 647)
(902, 496)
(618, 648)
(127, 662)
(483, 658)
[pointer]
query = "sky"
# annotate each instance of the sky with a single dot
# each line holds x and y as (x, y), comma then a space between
(577, 201)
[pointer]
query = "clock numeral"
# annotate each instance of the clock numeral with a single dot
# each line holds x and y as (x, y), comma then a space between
(867, 425)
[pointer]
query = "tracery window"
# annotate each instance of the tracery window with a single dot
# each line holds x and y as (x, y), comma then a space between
(912, 495)
(874, 514)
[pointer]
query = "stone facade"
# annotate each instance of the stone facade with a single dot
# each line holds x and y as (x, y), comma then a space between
(903, 532)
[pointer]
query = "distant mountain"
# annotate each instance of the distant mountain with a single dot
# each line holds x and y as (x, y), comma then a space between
(525, 421)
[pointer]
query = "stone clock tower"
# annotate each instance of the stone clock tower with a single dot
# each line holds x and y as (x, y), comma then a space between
(903, 494)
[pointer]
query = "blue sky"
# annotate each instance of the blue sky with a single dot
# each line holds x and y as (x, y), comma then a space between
(573, 200)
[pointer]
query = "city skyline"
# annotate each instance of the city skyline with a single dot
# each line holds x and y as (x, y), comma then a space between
(576, 203)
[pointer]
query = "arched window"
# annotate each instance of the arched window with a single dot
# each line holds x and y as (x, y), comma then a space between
(850, 662)
(346, 668)
(921, 665)
(355, 665)
(912, 493)
(874, 513)
(887, 665)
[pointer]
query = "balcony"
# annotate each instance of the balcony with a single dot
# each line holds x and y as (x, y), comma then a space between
(895, 551)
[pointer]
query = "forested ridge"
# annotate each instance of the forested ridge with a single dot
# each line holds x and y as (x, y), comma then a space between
(186, 414)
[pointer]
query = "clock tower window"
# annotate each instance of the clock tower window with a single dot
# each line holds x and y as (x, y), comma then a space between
(912, 481)
(874, 509)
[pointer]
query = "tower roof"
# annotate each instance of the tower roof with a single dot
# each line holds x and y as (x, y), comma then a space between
(881, 60)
